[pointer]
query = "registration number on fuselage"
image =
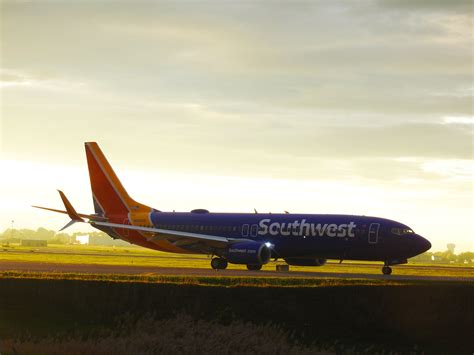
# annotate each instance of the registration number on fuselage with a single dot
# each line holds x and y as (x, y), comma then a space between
(300, 228)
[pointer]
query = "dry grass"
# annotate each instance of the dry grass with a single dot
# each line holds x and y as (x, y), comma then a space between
(181, 334)
(77, 316)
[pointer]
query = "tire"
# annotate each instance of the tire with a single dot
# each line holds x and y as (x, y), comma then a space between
(254, 267)
(223, 264)
(215, 263)
(219, 263)
(386, 270)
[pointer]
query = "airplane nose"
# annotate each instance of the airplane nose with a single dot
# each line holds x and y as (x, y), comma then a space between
(423, 244)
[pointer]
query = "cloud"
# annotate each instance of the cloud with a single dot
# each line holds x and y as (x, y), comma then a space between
(365, 79)
(11, 78)
(455, 169)
(308, 140)
(464, 120)
(155, 46)
(17, 79)
(455, 6)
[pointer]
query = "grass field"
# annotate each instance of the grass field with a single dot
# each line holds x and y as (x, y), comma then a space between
(78, 316)
(133, 256)
(75, 312)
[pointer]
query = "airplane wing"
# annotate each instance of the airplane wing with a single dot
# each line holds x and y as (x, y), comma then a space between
(177, 237)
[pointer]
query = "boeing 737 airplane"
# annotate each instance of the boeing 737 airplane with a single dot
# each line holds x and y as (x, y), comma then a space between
(251, 239)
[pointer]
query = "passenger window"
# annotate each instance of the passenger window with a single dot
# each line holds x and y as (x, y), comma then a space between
(245, 230)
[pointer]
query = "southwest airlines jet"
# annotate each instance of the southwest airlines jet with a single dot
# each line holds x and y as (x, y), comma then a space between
(251, 239)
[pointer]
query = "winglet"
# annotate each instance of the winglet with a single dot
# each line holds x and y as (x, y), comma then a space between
(70, 210)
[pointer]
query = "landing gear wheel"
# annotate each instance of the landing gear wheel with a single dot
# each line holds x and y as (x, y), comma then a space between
(254, 267)
(223, 264)
(219, 263)
(386, 270)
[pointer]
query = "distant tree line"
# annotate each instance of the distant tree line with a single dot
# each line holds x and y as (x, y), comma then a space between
(96, 238)
(444, 257)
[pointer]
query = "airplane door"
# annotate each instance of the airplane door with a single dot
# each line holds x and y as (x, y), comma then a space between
(374, 233)
(253, 230)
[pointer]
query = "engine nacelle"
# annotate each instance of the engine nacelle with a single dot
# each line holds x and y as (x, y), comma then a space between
(305, 261)
(248, 253)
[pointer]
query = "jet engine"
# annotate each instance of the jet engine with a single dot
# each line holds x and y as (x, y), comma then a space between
(305, 261)
(248, 253)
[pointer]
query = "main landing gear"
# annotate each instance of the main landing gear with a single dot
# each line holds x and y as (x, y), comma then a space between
(386, 270)
(219, 263)
(254, 267)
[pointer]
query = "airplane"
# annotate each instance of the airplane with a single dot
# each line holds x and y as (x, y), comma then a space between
(251, 239)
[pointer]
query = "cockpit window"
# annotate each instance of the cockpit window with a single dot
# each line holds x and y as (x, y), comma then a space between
(402, 231)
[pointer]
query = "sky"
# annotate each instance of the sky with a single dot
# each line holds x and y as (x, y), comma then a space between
(312, 106)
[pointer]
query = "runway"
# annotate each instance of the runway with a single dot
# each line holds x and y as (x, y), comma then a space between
(175, 271)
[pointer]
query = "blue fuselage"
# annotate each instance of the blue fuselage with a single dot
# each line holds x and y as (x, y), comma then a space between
(306, 235)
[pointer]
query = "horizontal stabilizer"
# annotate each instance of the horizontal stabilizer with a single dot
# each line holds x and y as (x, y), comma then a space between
(88, 216)
(71, 222)
(71, 212)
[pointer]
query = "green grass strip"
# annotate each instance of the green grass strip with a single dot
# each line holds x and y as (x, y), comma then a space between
(221, 281)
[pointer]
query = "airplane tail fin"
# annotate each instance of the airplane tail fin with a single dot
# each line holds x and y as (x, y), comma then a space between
(109, 196)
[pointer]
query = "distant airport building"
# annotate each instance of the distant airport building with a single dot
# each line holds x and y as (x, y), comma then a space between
(82, 239)
(33, 243)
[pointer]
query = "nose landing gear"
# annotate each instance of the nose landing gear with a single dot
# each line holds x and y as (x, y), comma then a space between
(387, 270)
